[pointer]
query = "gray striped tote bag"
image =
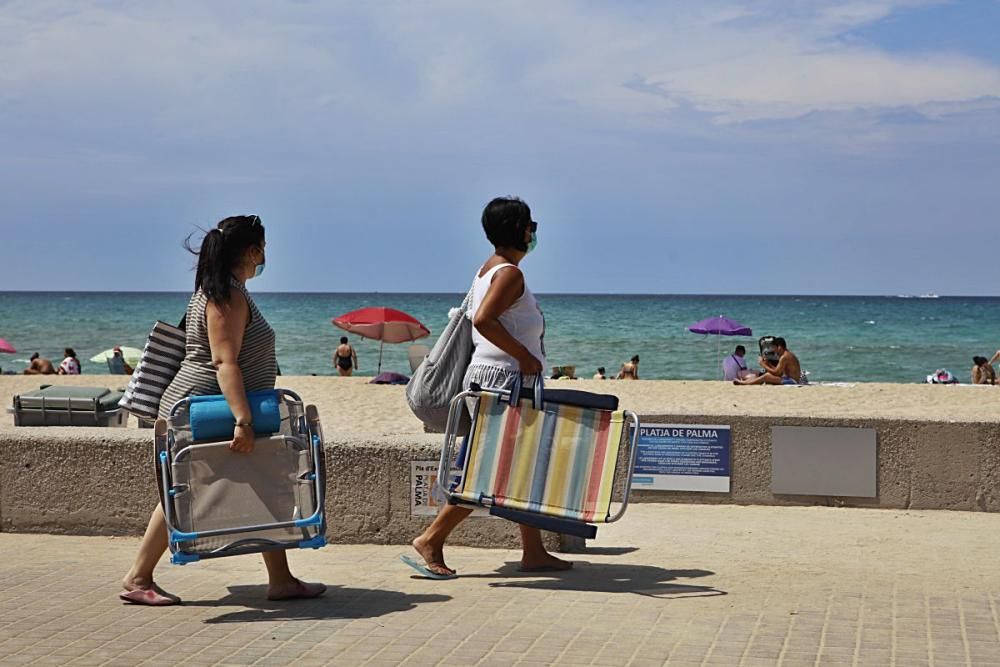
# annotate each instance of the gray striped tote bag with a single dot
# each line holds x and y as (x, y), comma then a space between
(161, 359)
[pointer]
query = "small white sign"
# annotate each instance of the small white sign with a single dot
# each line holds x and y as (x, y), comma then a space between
(426, 499)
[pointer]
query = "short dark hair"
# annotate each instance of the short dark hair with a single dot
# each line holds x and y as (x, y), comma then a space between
(979, 361)
(34, 356)
(505, 220)
(780, 342)
(70, 352)
(343, 340)
(600, 369)
(740, 348)
(635, 359)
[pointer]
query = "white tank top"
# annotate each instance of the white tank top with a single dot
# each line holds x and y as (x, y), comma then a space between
(523, 320)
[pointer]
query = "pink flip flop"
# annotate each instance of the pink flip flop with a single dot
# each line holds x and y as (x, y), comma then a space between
(153, 596)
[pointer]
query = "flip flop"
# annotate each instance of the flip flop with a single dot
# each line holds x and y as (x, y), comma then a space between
(150, 597)
(425, 571)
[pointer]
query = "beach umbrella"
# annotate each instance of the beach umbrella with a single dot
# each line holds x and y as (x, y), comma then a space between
(386, 325)
(6, 347)
(131, 354)
(718, 327)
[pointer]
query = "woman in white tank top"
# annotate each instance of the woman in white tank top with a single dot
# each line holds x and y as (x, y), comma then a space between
(508, 333)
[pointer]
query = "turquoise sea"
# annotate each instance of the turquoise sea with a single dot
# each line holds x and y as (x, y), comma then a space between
(884, 339)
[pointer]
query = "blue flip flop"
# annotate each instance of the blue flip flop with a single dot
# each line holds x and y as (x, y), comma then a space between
(423, 570)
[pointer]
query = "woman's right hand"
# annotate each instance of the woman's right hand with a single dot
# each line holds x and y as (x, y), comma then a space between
(530, 366)
(243, 440)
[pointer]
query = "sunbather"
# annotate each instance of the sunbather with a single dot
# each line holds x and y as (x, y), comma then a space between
(40, 366)
(786, 371)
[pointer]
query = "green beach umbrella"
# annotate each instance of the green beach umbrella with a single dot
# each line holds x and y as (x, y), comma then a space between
(131, 355)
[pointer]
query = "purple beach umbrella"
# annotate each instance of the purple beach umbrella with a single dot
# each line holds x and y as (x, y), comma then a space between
(720, 326)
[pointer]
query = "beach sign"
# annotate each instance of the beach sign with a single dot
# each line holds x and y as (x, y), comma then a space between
(426, 499)
(682, 457)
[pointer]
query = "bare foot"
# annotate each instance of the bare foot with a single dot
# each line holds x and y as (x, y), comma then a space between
(296, 590)
(433, 556)
(544, 563)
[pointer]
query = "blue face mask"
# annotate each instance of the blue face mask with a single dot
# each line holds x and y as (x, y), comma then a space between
(533, 243)
(259, 269)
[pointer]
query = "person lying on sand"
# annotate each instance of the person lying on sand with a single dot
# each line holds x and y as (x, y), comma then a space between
(786, 371)
(40, 366)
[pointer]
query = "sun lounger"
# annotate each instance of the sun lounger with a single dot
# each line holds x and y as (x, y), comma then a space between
(554, 459)
(53, 405)
(220, 503)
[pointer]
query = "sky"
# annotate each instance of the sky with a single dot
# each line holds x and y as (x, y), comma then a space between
(719, 146)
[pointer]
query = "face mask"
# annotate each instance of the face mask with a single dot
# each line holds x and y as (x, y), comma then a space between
(533, 243)
(259, 269)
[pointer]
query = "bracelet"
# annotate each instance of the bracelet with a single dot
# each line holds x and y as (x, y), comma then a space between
(240, 424)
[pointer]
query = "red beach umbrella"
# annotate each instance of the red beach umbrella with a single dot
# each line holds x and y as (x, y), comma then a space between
(6, 347)
(387, 325)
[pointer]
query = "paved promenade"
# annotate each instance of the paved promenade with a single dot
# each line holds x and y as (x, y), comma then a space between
(670, 585)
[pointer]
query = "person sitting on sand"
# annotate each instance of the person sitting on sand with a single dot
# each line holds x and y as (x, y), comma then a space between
(786, 371)
(70, 364)
(40, 366)
(600, 375)
(117, 364)
(630, 369)
(734, 367)
(982, 372)
(345, 358)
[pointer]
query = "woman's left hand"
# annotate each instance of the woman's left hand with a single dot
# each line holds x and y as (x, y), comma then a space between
(243, 440)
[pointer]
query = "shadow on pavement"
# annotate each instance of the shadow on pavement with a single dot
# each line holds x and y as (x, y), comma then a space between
(337, 602)
(607, 578)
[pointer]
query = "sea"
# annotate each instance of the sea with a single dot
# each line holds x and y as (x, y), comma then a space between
(837, 338)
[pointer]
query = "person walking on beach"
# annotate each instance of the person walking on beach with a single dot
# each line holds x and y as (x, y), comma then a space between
(40, 366)
(508, 334)
(345, 358)
(70, 364)
(786, 371)
(629, 370)
(230, 351)
(982, 371)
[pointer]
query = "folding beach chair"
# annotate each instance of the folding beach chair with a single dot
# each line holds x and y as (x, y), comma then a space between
(551, 459)
(221, 503)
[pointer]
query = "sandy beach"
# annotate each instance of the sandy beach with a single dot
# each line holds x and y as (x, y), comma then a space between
(351, 405)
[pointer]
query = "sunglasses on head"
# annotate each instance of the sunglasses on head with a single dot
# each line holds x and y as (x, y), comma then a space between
(533, 226)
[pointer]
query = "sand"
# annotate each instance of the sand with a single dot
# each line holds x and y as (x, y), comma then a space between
(351, 405)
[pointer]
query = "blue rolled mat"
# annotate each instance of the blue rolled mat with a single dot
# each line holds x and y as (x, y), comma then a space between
(211, 418)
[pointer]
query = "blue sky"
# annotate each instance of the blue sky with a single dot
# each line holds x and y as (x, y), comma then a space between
(832, 147)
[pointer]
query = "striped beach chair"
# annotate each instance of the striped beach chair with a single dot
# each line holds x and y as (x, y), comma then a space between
(552, 459)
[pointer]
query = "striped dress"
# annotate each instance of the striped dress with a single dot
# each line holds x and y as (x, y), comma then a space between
(198, 375)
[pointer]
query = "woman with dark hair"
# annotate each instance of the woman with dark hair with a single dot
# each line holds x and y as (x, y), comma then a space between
(229, 350)
(70, 364)
(508, 333)
(345, 358)
(982, 371)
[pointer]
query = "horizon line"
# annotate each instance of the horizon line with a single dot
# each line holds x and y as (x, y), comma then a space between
(446, 293)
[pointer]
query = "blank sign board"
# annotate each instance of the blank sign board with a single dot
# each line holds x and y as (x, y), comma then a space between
(815, 461)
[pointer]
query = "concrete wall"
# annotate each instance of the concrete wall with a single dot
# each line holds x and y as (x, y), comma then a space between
(921, 464)
(90, 481)
(100, 481)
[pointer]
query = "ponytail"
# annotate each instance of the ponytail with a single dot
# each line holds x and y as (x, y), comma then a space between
(221, 250)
